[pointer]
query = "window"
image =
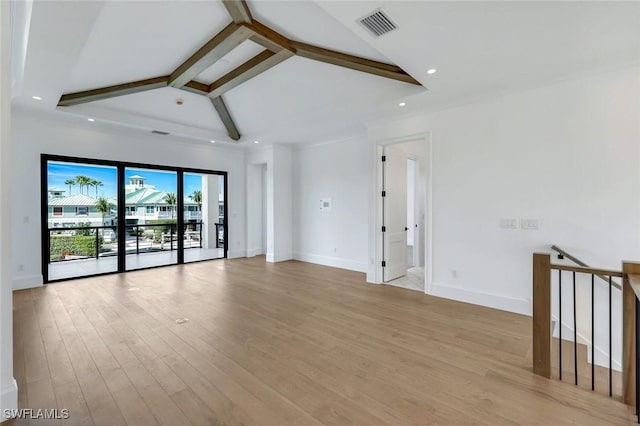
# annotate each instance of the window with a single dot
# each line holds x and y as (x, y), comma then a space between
(82, 211)
(57, 211)
(150, 209)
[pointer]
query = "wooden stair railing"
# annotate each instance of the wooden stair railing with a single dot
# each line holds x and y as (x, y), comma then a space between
(579, 262)
(542, 319)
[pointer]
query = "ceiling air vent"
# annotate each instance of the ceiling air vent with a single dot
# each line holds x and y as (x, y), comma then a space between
(378, 22)
(160, 132)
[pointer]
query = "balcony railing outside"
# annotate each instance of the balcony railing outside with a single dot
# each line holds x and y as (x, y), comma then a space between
(84, 242)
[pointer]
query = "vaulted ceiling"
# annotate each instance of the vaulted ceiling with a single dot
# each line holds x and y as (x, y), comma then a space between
(478, 48)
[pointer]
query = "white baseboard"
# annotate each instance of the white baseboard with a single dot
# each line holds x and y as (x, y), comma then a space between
(233, 254)
(254, 252)
(273, 258)
(496, 301)
(29, 281)
(335, 262)
(9, 398)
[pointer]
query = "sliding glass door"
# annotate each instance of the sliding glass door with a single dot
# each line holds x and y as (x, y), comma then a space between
(81, 228)
(101, 217)
(204, 216)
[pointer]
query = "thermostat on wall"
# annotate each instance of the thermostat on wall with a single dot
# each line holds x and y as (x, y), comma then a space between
(325, 205)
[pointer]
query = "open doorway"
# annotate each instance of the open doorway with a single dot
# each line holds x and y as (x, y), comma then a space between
(404, 215)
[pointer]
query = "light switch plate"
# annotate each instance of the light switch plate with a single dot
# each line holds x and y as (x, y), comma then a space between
(530, 224)
(507, 223)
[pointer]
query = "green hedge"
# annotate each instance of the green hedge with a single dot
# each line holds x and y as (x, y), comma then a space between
(159, 230)
(75, 245)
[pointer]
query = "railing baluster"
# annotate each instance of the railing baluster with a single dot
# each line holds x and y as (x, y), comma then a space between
(610, 354)
(560, 323)
(593, 341)
(637, 360)
(97, 243)
(137, 239)
(575, 332)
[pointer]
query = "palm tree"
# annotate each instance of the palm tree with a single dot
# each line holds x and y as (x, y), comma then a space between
(103, 206)
(70, 182)
(83, 181)
(196, 197)
(171, 199)
(96, 184)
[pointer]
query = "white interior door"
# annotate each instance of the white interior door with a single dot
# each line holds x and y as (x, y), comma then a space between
(395, 215)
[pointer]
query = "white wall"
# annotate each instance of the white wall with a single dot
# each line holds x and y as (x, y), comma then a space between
(567, 154)
(36, 133)
(8, 387)
(282, 203)
(340, 171)
(256, 209)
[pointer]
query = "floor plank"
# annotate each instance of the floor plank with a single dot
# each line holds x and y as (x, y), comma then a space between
(274, 344)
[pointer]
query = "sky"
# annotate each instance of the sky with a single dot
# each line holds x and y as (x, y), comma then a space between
(163, 180)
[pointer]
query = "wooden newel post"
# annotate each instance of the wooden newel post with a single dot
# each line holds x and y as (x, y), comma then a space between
(629, 334)
(542, 314)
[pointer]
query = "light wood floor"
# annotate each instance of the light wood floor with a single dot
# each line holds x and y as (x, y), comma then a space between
(290, 343)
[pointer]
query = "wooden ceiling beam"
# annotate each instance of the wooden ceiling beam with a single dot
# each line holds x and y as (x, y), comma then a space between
(268, 37)
(223, 112)
(253, 67)
(77, 98)
(224, 42)
(274, 41)
(197, 88)
(353, 62)
(238, 10)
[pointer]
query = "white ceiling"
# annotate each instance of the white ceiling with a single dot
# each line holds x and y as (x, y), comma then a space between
(479, 49)
(485, 48)
(230, 61)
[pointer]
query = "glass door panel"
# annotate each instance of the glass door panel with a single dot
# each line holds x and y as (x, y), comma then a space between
(150, 218)
(203, 216)
(82, 225)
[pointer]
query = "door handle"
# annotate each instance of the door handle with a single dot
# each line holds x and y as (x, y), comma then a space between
(406, 229)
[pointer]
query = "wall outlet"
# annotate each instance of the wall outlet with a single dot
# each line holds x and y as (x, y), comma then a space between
(530, 224)
(508, 223)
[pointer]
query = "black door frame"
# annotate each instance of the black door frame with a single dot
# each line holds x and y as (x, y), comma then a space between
(120, 167)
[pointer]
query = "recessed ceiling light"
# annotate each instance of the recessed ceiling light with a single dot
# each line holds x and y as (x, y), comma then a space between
(431, 71)
(37, 98)
(401, 104)
(256, 141)
(213, 141)
(91, 119)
